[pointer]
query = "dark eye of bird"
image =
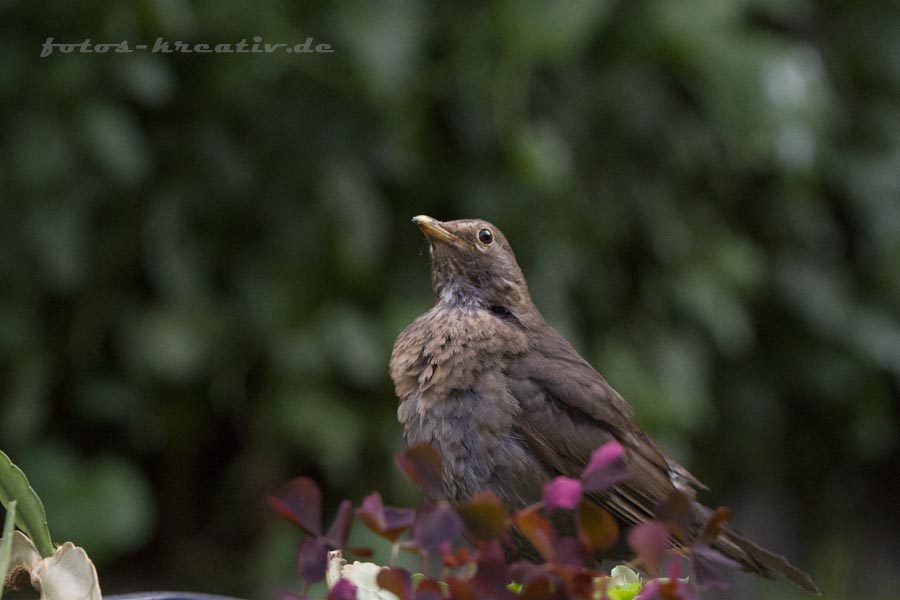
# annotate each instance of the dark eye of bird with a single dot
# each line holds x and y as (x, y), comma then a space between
(485, 236)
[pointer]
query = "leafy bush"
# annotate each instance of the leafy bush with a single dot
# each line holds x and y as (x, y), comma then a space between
(463, 549)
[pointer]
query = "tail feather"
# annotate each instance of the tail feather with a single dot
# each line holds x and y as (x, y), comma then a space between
(758, 560)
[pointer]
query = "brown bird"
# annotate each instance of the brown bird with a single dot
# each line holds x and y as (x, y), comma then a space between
(510, 403)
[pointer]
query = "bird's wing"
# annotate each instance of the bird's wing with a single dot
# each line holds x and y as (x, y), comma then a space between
(568, 410)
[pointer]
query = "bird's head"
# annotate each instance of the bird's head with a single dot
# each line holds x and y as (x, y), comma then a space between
(472, 263)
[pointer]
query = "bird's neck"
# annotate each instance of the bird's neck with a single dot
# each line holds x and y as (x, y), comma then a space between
(456, 293)
(462, 294)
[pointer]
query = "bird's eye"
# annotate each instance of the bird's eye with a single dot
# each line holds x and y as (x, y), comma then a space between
(485, 236)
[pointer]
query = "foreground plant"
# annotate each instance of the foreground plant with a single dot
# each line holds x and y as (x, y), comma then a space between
(28, 557)
(462, 549)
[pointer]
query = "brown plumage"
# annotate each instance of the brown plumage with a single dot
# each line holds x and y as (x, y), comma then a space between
(511, 404)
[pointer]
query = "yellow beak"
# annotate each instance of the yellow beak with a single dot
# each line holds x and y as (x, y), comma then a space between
(434, 230)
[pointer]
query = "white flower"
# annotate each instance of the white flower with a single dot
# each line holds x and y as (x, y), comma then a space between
(362, 575)
(67, 575)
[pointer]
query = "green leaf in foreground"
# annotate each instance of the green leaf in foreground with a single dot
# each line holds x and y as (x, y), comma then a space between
(30, 515)
(6, 544)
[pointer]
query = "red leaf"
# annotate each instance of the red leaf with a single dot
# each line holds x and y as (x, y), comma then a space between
(484, 516)
(455, 558)
(360, 552)
(678, 513)
(460, 589)
(716, 523)
(562, 492)
(340, 528)
(429, 589)
(539, 588)
(649, 541)
(300, 502)
(423, 464)
(536, 530)
(396, 581)
(597, 529)
(581, 584)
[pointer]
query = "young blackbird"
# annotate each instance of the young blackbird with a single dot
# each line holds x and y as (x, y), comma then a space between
(510, 403)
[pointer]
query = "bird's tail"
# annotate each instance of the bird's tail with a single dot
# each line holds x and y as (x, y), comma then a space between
(758, 560)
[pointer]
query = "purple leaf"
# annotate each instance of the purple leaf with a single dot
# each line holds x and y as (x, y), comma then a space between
(492, 575)
(388, 522)
(562, 492)
(524, 571)
(713, 555)
(678, 512)
(300, 502)
(312, 559)
(343, 590)
(569, 552)
(706, 576)
(605, 469)
(423, 464)
(436, 524)
(649, 541)
(340, 528)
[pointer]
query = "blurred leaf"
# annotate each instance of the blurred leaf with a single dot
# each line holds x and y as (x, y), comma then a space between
(104, 503)
(605, 469)
(6, 540)
(28, 509)
(484, 515)
(542, 31)
(116, 142)
(312, 559)
(436, 524)
(597, 529)
(388, 522)
(340, 528)
(300, 502)
(677, 512)
(562, 492)
(649, 540)
(343, 590)
(537, 530)
(423, 464)
(396, 581)
(714, 526)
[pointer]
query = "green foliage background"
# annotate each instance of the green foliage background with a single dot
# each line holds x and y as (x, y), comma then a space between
(204, 259)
